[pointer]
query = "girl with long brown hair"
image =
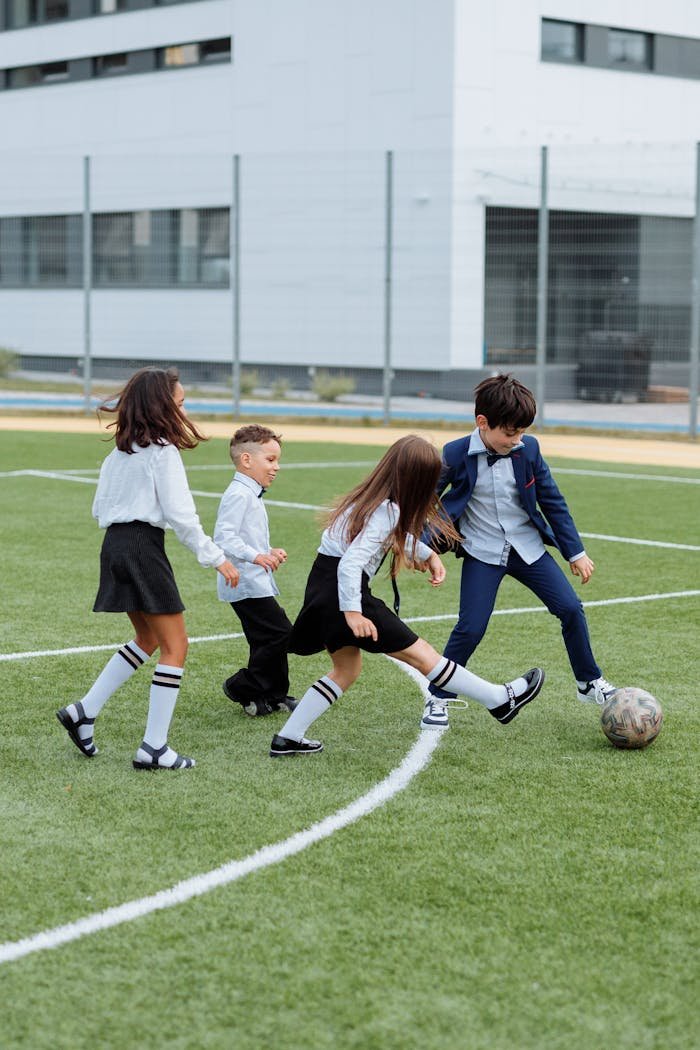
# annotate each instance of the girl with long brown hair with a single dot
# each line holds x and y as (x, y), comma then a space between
(141, 490)
(382, 516)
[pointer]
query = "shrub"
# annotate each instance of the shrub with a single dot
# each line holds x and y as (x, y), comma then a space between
(279, 388)
(330, 387)
(8, 362)
(249, 381)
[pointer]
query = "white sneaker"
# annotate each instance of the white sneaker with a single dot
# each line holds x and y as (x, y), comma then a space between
(595, 692)
(435, 712)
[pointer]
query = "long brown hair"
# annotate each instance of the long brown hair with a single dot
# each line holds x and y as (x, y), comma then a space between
(407, 474)
(146, 413)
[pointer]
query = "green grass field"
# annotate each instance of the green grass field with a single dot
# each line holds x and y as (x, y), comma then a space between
(531, 887)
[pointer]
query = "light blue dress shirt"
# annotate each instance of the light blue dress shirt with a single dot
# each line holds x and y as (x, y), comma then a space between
(243, 531)
(494, 520)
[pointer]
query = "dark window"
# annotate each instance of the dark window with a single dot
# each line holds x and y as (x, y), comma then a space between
(215, 50)
(107, 65)
(28, 76)
(562, 41)
(41, 250)
(629, 49)
(22, 13)
(109, 7)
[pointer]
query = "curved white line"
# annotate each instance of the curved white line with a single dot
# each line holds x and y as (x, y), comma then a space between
(416, 760)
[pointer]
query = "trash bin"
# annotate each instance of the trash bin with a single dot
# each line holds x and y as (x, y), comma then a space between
(613, 366)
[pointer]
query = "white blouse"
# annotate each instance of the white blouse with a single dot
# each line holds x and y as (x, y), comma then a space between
(151, 485)
(365, 553)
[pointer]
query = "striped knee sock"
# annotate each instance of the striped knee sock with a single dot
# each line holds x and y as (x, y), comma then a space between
(120, 668)
(315, 701)
(454, 678)
(164, 692)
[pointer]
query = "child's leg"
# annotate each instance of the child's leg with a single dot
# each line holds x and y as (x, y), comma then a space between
(477, 597)
(154, 752)
(79, 718)
(546, 579)
(347, 664)
(503, 701)
(266, 678)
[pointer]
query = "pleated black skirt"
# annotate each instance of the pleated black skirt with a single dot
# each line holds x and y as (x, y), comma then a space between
(135, 574)
(321, 625)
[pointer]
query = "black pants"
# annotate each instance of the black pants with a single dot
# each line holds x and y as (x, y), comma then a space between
(267, 629)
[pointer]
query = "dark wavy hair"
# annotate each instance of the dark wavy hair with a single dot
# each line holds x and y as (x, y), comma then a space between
(407, 474)
(146, 413)
(506, 402)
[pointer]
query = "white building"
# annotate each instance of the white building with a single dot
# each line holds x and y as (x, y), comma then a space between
(311, 94)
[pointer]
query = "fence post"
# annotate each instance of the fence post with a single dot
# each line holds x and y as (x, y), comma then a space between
(695, 307)
(234, 255)
(87, 286)
(542, 289)
(388, 253)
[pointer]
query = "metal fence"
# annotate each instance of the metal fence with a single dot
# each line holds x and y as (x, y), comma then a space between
(406, 274)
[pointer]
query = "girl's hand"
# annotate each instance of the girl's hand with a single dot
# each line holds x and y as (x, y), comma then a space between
(437, 570)
(582, 567)
(270, 561)
(229, 572)
(360, 626)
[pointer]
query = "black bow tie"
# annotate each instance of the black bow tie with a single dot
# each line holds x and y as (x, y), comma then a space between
(491, 457)
(261, 493)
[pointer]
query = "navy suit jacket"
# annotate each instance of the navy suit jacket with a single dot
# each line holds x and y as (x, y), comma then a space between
(539, 494)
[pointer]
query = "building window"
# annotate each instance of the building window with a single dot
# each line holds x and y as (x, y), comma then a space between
(28, 76)
(562, 41)
(108, 65)
(207, 51)
(629, 49)
(22, 13)
(41, 250)
(110, 7)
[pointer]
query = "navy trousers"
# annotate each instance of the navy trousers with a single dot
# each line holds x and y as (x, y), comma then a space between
(479, 587)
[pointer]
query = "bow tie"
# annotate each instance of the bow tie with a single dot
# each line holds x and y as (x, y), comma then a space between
(491, 457)
(262, 493)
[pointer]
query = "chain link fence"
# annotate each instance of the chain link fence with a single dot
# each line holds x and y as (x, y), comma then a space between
(396, 275)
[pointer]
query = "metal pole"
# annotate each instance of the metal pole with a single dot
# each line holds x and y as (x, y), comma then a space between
(388, 252)
(695, 306)
(87, 286)
(542, 289)
(235, 281)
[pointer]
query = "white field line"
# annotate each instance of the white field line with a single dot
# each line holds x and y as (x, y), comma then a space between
(416, 760)
(631, 600)
(627, 477)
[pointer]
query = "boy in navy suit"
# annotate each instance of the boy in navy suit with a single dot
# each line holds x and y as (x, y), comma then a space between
(502, 498)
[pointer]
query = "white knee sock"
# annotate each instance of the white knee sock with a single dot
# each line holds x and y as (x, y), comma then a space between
(315, 701)
(164, 691)
(120, 668)
(454, 678)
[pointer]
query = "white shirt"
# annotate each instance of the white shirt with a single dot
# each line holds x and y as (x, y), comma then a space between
(150, 485)
(243, 531)
(365, 553)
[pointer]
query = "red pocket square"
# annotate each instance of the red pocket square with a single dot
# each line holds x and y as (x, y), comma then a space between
(530, 482)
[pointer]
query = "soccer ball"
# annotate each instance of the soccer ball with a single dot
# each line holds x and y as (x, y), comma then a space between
(631, 718)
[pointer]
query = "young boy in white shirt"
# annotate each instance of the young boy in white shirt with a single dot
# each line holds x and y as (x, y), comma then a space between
(242, 531)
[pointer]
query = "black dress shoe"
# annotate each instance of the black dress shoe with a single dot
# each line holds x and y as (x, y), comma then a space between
(507, 712)
(254, 708)
(287, 703)
(282, 746)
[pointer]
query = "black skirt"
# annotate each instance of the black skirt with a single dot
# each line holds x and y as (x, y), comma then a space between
(321, 625)
(135, 574)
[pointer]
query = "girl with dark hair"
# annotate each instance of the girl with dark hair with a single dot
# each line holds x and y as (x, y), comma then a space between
(141, 490)
(381, 516)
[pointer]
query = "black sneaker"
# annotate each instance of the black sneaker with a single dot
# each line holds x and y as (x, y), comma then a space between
(254, 708)
(286, 703)
(282, 746)
(507, 712)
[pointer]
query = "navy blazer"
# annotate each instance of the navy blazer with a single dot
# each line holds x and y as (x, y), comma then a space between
(539, 494)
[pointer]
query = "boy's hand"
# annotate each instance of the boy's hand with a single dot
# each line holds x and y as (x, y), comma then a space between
(270, 561)
(360, 626)
(279, 554)
(229, 572)
(582, 567)
(434, 566)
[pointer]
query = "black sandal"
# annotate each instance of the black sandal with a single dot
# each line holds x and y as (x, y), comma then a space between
(181, 761)
(87, 745)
